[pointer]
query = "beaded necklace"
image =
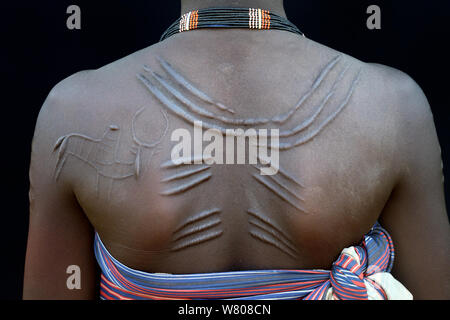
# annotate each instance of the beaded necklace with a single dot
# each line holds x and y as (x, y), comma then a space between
(248, 18)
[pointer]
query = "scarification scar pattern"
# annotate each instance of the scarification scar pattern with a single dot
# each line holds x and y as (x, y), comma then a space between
(91, 151)
(203, 227)
(172, 94)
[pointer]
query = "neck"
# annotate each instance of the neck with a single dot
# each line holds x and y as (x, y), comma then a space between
(275, 6)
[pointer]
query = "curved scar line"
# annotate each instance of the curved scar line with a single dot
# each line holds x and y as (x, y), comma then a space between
(203, 112)
(180, 79)
(308, 122)
(271, 242)
(198, 240)
(187, 186)
(135, 138)
(170, 164)
(181, 112)
(277, 119)
(282, 185)
(280, 194)
(326, 122)
(264, 224)
(197, 229)
(284, 173)
(284, 117)
(91, 164)
(202, 215)
(185, 174)
(174, 107)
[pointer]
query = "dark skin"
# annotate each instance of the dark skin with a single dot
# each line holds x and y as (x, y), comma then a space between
(378, 160)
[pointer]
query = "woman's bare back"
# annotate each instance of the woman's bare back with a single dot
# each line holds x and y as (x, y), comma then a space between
(341, 152)
(331, 185)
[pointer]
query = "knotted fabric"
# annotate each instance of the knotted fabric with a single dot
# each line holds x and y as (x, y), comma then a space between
(360, 273)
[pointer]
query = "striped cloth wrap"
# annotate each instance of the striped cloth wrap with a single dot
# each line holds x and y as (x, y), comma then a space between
(360, 273)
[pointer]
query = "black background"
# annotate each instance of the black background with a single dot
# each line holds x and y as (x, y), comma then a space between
(38, 51)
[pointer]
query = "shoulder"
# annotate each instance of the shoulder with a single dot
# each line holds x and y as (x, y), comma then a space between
(414, 133)
(86, 97)
(393, 93)
(391, 107)
(407, 104)
(63, 109)
(393, 84)
(83, 102)
(390, 92)
(400, 91)
(63, 100)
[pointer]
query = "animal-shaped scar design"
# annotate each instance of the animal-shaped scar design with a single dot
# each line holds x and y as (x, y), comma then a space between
(181, 98)
(101, 154)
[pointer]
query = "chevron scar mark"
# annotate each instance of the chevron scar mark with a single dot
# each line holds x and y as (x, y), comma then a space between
(282, 184)
(264, 230)
(185, 174)
(283, 173)
(178, 110)
(194, 175)
(202, 112)
(197, 229)
(185, 161)
(282, 191)
(187, 186)
(191, 175)
(284, 117)
(310, 121)
(196, 109)
(175, 108)
(308, 137)
(182, 106)
(190, 112)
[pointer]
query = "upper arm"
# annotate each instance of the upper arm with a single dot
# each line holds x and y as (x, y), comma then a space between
(416, 215)
(59, 235)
